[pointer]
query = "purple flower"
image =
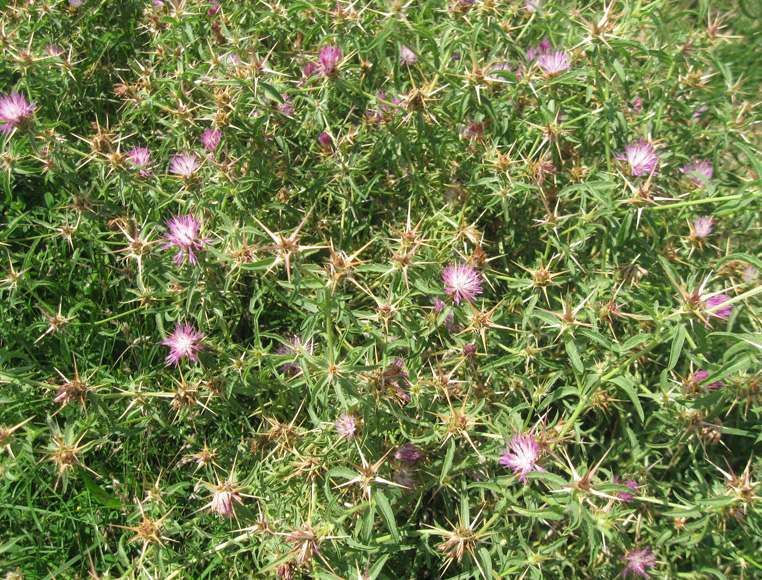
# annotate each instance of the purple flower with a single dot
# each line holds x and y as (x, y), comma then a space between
(450, 319)
(214, 8)
(533, 5)
(52, 50)
(637, 561)
(76, 3)
(554, 63)
(698, 113)
(407, 56)
(293, 347)
(325, 140)
(329, 58)
(184, 165)
(158, 4)
(700, 376)
(702, 227)
(521, 455)
(623, 495)
(15, 111)
(285, 107)
(210, 139)
(462, 281)
(725, 311)
(641, 157)
(702, 168)
(183, 342)
(184, 234)
(141, 157)
(543, 48)
(637, 105)
(409, 454)
(469, 351)
(346, 425)
(749, 274)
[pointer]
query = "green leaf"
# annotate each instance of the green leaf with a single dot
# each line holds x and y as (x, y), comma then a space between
(628, 387)
(677, 347)
(576, 361)
(447, 464)
(386, 513)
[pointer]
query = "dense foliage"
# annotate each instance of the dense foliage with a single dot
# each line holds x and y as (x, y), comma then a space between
(380, 289)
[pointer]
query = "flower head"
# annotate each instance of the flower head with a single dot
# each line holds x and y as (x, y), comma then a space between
(184, 234)
(626, 496)
(210, 139)
(15, 111)
(409, 454)
(140, 157)
(329, 58)
(325, 140)
(462, 281)
(293, 347)
(183, 342)
(637, 561)
(702, 168)
(702, 227)
(723, 312)
(554, 63)
(521, 455)
(184, 165)
(407, 56)
(641, 157)
(700, 376)
(749, 274)
(346, 425)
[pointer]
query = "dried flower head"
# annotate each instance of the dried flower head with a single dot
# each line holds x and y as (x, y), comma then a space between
(183, 342)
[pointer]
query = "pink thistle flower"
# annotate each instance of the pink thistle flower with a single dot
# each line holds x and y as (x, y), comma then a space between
(533, 5)
(699, 377)
(702, 227)
(53, 50)
(76, 3)
(702, 168)
(450, 319)
(184, 165)
(140, 157)
(15, 111)
(346, 426)
(210, 138)
(623, 495)
(285, 107)
(462, 282)
(214, 8)
(554, 63)
(749, 274)
(698, 113)
(521, 455)
(409, 454)
(637, 105)
(543, 48)
(641, 157)
(223, 500)
(183, 342)
(407, 56)
(325, 140)
(184, 234)
(329, 58)
(637, 561)
(292, 347)
(724, 312)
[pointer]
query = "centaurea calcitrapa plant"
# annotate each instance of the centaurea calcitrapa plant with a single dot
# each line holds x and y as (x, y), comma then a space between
(454, 289)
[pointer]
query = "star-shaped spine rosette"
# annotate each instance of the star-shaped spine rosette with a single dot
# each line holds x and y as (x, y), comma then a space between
(184, 342)
(184, 233)
(462, 282)
(285, 247)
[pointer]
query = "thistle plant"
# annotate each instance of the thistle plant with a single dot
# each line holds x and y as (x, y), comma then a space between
(448, 289)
